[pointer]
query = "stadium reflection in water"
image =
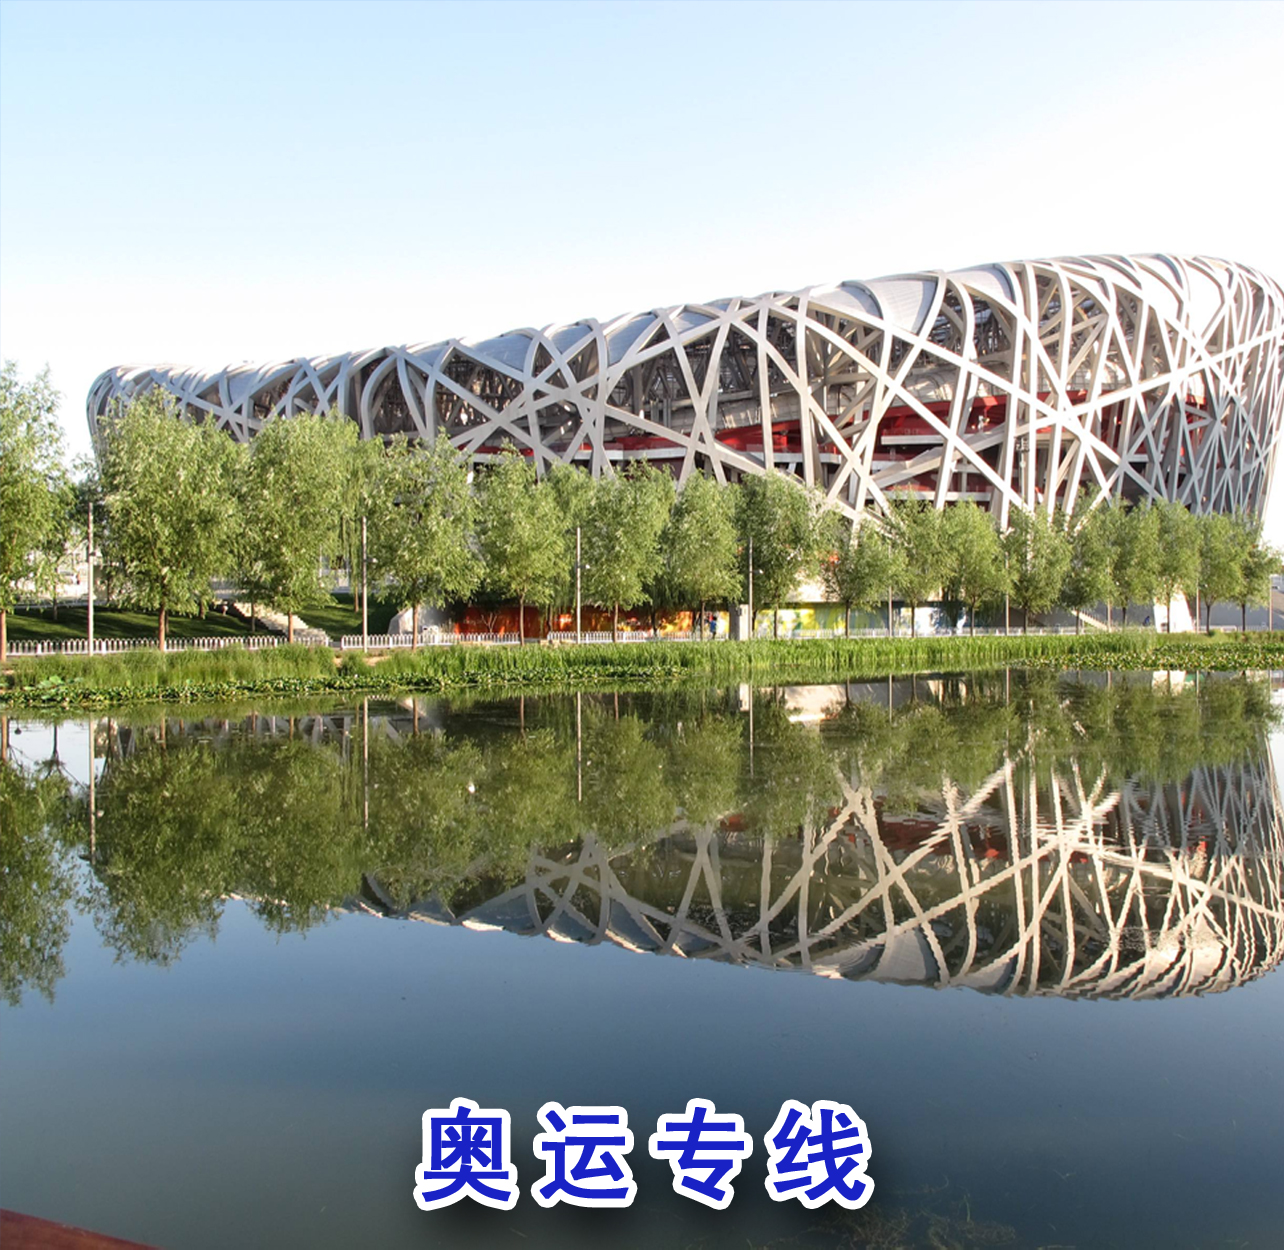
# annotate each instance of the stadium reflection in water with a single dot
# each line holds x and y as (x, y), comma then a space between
(1088, 838)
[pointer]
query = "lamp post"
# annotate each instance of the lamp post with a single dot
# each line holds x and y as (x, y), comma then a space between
(579, 633)
(365, 592)
(89, 578)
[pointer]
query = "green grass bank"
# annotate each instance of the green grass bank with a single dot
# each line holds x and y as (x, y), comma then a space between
(233, 673)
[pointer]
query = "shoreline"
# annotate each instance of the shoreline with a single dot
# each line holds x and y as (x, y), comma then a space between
(303, 671)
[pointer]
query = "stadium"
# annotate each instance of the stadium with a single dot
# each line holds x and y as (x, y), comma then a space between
(1016, 385)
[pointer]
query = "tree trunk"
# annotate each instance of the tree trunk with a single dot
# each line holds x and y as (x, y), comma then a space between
(1025, 620)
(913, 620)
(4, 635)
(1078, 623)
(702, 621)
(847, 619)
(615, 622)
(1123, 616)
(891, 623)
(971, 620)
(414, 628)
(1243, 618)
(1168, 624)
(160, 626)
(289, 627)
(254, 617)
(53, 591)
(1208, 618)
(775, 623)
(521, 620)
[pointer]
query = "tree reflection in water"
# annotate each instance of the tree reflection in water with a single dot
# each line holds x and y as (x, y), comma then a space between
(1014, 833)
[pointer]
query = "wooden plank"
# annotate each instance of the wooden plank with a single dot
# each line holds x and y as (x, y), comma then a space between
(26, 1232)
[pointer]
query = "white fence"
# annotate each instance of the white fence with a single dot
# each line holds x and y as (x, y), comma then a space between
(114, 646)
(427, 638)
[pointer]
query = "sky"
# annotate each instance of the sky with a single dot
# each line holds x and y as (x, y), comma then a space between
(200, 184)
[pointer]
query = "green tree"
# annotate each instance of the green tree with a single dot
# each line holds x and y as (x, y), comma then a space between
(424, 520)
(1135, 567)
(168, 495)
(1087, 580)
(1221, 562)
(1257, 564)
(862, 568)
(782, 520)
(33, 487)
(699, 546)
(1038, 552)
(294, 491)
(574, 490)
(973, 558)
(523, 547)
(622, 532)
(1178, 564)
(917, 534)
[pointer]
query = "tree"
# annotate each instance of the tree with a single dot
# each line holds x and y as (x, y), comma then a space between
(862, 568)
(33, 487)
(699, 546)
(1258, 563)
(1135, 567)
(917, 536)
(1038, 553)
(574, 490)
(1087, 579)
(294, 491)
(167, 492)
(782, 520)
(1178, 564)
(423, 520)
(973, 558)
(520, 534)
(1221, 562)
(626, 517)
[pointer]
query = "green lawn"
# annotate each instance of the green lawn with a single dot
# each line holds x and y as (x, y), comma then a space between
(340, 617)
(38, 625)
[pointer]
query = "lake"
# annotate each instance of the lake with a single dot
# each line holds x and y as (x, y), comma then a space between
(1026, 924)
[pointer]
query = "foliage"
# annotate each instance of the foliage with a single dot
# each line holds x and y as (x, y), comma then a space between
(1088, 577)
(699, 547)
(863, 566)
(1178, 565)
(292, 497)
(422, 527)
(523, 546)
(1038, 555)
(1221, 561)
(782, 519)
(918, 532)
(973, 558)
(34, 491)
(168, 494)
(621, 539)
(1135, 568)
(36, 885)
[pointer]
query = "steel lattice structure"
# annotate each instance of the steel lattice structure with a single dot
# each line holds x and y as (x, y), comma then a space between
(1012, 384)
(1144, 891)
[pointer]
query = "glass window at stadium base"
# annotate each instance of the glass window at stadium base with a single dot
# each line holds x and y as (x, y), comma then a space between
(1027, 926)
(1017, 385)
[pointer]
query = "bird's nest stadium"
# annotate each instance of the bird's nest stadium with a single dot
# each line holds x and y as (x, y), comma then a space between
(1016, 385)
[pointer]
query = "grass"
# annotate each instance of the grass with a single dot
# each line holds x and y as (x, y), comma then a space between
(300, 671)
(340, 616)
(38, 624)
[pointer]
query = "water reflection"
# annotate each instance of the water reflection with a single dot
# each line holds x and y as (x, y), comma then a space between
(1015, 834)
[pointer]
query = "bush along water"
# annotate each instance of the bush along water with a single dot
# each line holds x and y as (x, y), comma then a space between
(151, 676)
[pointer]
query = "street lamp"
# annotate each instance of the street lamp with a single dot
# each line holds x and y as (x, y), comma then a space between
(579, 636)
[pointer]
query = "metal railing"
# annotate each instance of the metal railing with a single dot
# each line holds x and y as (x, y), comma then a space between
(427, 638)
(115, 646)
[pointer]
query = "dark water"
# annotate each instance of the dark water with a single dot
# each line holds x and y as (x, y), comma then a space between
(236, 978)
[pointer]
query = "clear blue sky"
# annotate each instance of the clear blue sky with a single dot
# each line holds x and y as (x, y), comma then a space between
(200, 183)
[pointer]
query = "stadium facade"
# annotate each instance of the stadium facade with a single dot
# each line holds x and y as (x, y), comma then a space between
(1015, 385)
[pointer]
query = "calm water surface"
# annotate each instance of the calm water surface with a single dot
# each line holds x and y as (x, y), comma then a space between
(1026, 925)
